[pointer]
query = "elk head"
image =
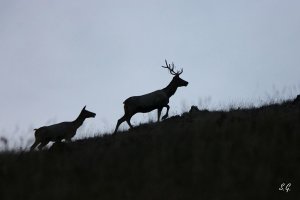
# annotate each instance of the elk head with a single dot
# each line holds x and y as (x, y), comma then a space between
(87, 114)
(176, 79)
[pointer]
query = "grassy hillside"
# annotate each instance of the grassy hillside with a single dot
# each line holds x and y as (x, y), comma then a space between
(240, 154)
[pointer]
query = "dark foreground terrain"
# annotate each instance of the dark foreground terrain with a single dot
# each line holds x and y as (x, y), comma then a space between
(240, 154)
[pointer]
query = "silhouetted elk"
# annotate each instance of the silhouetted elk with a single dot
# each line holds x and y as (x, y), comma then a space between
(60, 131)
(154, 100)
(297, 100)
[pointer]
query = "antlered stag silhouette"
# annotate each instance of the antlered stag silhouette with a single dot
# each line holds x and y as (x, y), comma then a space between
(60, 131)
(154, 100)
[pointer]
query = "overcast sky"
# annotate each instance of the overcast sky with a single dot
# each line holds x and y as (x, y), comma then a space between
(57, 56)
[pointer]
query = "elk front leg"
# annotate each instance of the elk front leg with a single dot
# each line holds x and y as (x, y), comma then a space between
(167, 113)
(158, 114)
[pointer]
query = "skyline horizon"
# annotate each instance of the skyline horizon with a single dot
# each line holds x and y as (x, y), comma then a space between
(88, 129)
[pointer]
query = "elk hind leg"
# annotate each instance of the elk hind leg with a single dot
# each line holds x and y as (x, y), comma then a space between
(34, 145)
(120, 121)
(128, 121)
(44, 143)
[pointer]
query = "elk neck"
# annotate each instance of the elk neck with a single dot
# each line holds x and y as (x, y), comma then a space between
(78, 121)
(170, 89)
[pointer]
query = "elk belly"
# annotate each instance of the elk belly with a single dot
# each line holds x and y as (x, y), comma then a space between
(152, 101)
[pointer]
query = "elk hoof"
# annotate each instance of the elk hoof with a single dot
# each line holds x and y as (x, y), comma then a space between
(164, 117)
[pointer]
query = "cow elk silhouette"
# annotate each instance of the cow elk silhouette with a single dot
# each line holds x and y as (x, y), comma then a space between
(154, 100)
(60, 131)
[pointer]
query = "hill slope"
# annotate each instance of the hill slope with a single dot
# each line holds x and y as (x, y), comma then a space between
(240, 154)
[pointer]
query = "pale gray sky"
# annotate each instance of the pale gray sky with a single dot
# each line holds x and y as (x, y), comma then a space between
(57, 56)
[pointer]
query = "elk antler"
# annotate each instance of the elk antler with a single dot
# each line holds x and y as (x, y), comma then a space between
(171, 69)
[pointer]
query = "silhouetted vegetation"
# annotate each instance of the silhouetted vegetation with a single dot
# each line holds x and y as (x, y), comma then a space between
(240, 154)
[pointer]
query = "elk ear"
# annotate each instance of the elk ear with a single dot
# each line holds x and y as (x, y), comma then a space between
(83, 108)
